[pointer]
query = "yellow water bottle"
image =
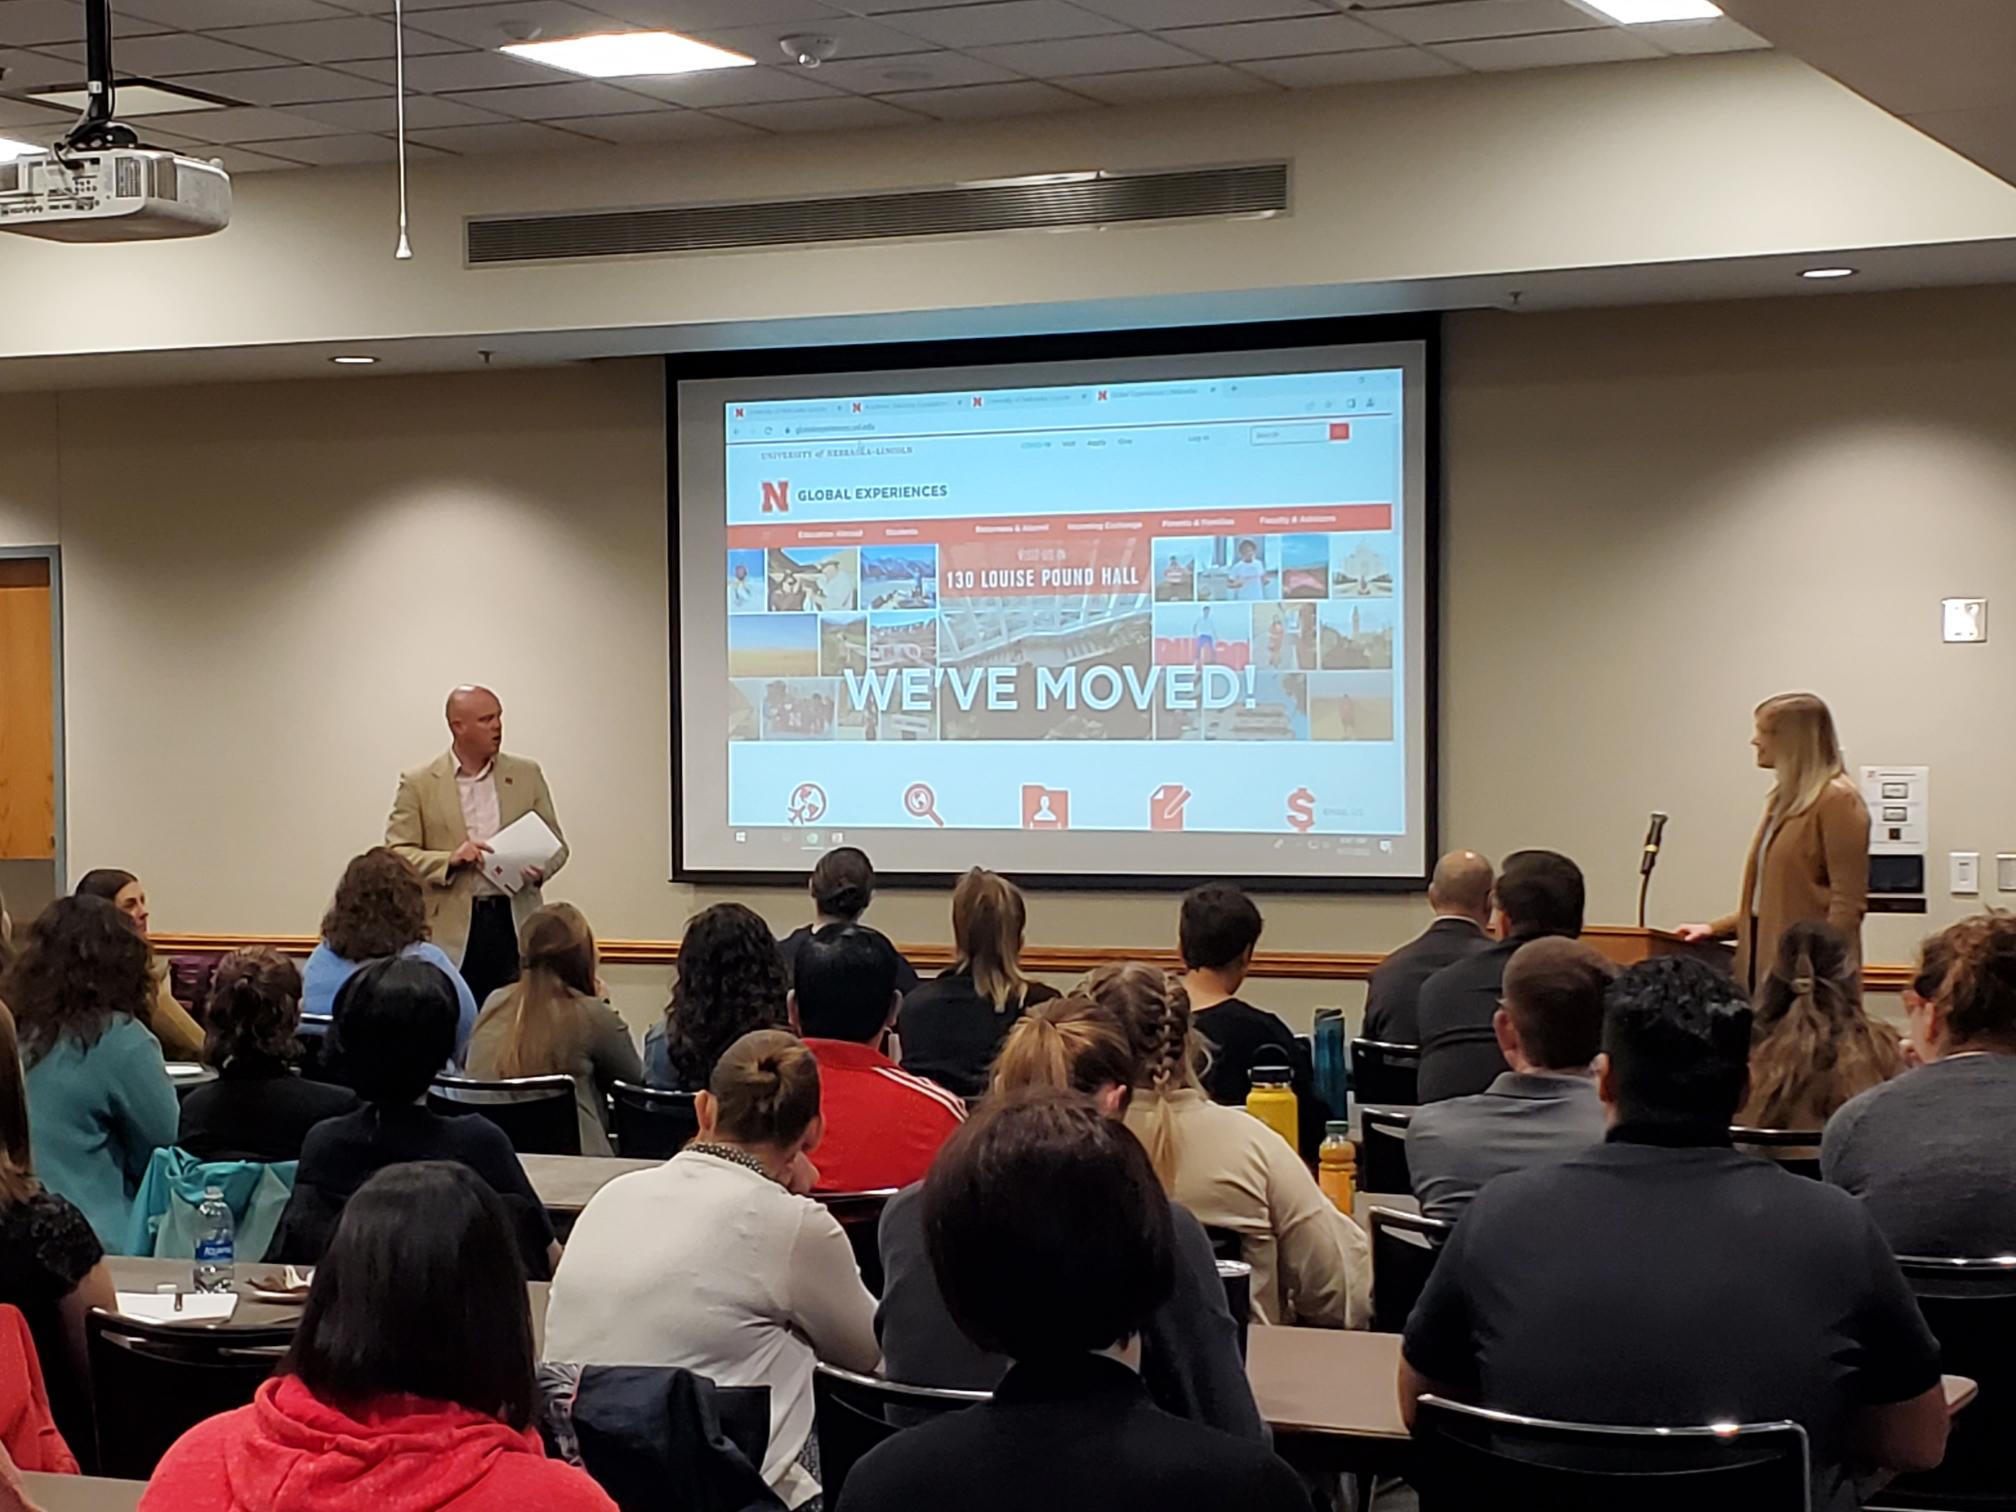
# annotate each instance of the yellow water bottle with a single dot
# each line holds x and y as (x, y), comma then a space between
(1337, 1165)
(1273, 1103)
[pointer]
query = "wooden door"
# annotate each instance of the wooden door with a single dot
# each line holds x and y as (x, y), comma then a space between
(27, 713)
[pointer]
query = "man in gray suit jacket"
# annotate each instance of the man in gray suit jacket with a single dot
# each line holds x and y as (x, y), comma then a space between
(443, 819)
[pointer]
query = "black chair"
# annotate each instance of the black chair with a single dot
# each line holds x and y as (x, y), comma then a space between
(536, 1113)
(1382, 1149)
(652, 1125)
(1467, 1457)
(154, 1381)
(1404, 1247)
(1385, 1074)
(860, 1216)
(1970, 1306)
(313, 1033)
(1798, 1150)
(853, 1413)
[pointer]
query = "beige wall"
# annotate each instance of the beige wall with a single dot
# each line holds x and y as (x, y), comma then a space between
(1654, 517)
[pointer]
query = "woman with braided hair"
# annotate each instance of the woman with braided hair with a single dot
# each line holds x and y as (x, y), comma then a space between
(1812, 1047)
(1311, 1263)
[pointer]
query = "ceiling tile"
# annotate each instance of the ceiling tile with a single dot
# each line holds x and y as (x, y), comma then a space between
(548, 102)
(1719, 35)
(1279, 39)
(342, 150)
(236, 160)
(735, 86)
(494, 25)
(239, 124)
(464, 70)
(1461, 20)
(173, 53)
(288, 86)
(981, 102)
(1326, 69)
(667, 125)
(1004, 21)
(33, 70)
(213, 15)
(1157, 15)
(504, 136)
(1168, 84)
(895, 7)
(927, 70)
(1611, 45)
(355, 38)
(422, 111)
(853, 39)
(842, 113)
(22, 116)
(1085, 55)
(690, 15)
(23, 23)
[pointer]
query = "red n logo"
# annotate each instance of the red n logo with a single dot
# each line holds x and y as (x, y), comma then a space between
(777, 497)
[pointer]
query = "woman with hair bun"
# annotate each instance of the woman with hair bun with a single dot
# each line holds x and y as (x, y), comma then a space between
(718, 1262)
(842, 886)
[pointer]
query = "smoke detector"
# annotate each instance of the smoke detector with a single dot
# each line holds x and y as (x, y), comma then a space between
(808, 52)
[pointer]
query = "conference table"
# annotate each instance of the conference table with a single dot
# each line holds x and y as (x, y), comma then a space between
(564, 1183)
(82, 1493)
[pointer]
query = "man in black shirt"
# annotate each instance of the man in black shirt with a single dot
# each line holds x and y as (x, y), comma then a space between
(1538, 893)
(1663, 1279)
(1460, 894)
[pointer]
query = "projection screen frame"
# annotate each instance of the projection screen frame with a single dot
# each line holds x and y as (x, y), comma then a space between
(1078, 346)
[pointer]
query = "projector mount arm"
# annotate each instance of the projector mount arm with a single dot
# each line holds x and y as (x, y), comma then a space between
(96, 129)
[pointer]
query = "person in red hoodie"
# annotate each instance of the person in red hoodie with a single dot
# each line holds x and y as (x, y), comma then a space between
(409, 1386)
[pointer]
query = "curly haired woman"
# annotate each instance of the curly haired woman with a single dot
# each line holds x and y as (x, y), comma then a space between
(731, 981)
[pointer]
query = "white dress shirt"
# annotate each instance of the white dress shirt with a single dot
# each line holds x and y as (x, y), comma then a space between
(478, 792)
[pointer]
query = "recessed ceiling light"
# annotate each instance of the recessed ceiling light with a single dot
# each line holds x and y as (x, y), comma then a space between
(1827, 273)
(624, 55)
(134, 100)
(357, 361)
(1646, 12)
(11, 149)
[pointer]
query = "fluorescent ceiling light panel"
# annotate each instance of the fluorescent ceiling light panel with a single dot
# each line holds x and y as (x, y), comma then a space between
(629, 55)
(1646, 12)
(131, 100)
(1828, 273)
(11, 149)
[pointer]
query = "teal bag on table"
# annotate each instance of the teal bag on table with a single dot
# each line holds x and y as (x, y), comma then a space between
(163, 1220)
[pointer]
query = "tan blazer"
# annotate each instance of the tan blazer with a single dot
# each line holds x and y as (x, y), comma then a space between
(1817, 867)
(426, 828)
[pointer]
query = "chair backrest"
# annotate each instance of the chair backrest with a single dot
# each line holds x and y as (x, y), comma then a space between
(153, 1382)
(1404, 1248)
(313, 1033)
(535, 1112)
(1970, 1305)
(853, 1413)
(860, 1216)
(1385, 1073)
(1466, 1458)
(1797, 1150)
(652, 1125)
(1382, 1149)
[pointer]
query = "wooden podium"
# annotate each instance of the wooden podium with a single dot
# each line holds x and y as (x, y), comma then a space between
(1627, 945)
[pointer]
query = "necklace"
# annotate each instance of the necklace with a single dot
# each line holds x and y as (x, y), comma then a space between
(730, 1154)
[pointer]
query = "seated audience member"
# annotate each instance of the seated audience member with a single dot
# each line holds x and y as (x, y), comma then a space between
(257, 1109)
(952, 1026)
(6, 936)
(842, 887)
(1190, 1357)
(1216, 933)
(180, 1036)
(1459, 892)
(1932, 1154)
(409, 1384)
(1538, 893)
(1311, 1263)
(1813, 1048)
(731, 981)
(379, 911)
(52, 1266)
(396, 1028)
(1664, 1278)
(99, 1100)
(1542, 1110)
(883, 1125)
(716, 1260)
(1042, 1184)
(552, 1020)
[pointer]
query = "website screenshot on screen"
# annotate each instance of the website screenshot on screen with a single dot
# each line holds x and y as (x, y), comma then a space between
(1149, 607)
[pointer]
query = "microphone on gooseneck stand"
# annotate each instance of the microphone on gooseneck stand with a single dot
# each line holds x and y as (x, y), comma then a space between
(1655, 834)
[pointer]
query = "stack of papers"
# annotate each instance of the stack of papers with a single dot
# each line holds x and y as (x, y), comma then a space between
(159, 1307)
(521, 843)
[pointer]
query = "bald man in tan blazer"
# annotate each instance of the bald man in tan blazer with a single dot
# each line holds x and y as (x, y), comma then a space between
(443, 818)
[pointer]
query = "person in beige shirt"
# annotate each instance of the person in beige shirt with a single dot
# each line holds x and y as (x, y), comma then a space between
(1311, 1264)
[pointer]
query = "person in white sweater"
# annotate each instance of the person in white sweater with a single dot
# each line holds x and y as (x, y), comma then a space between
(1311, 1264)
(716, 1260)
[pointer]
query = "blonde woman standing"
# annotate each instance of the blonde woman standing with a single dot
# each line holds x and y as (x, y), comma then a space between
(1810, 857)
(953, 1025)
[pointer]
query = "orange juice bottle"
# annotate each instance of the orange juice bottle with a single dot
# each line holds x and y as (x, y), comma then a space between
(1337, 1165)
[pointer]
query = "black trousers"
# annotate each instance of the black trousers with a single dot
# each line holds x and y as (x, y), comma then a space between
(491, 959)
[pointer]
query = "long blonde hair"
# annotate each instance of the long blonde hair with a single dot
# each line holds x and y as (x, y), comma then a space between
(1807, 755)
(988, 917)
(1069, 1043)
(1154, 1007)
(556, 951)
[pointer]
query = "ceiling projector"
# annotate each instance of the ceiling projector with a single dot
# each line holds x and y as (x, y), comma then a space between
(113, 194)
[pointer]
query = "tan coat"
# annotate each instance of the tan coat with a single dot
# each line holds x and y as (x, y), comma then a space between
(1817, 867)
(426, 828)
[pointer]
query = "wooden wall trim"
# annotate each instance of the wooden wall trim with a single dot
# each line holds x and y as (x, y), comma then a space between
(1044, 960)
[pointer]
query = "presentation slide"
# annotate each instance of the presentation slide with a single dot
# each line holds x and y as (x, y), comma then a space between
(1138, 619)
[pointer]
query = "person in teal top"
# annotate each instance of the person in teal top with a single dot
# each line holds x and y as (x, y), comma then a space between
(99, 1099)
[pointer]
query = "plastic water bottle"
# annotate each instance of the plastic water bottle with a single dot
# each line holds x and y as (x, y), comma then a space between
(215, 1241)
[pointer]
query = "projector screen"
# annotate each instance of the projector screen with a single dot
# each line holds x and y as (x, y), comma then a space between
(1129, 620)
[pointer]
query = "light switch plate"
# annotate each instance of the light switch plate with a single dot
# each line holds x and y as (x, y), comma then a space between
(2005, 873)
(1965, 620)
(1965, 867)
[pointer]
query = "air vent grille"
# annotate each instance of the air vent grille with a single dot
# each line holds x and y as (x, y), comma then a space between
(1020, 205)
